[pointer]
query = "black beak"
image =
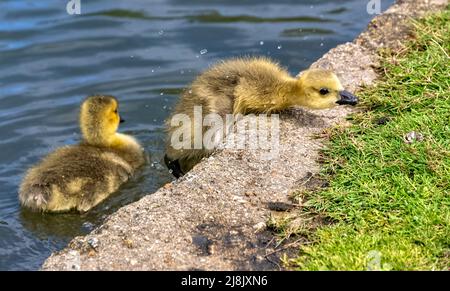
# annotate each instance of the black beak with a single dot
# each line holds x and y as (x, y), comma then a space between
(121, 120)
(347, 98)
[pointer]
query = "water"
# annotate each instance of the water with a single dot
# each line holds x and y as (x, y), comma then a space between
(143, 52)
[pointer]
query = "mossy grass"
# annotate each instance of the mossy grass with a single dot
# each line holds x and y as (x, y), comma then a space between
(389, 199)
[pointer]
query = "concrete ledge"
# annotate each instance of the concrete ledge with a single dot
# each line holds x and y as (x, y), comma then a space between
(214, 217)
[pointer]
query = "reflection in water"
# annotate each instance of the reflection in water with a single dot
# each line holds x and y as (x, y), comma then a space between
(143, 54)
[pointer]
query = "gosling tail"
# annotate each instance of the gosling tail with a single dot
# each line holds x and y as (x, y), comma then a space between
(35, 197)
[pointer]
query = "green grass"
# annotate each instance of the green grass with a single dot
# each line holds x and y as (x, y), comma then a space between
(390, 200)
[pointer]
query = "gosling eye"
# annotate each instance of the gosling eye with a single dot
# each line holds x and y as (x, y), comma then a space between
(115, 111)
(324, 91)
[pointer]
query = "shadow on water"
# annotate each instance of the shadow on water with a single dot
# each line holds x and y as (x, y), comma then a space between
(298, 32)
(122, 13)
(209, 17)
(216, 17)
(143, 54)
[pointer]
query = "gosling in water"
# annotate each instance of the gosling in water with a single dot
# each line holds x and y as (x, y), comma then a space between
(250, 85)
(79, 177)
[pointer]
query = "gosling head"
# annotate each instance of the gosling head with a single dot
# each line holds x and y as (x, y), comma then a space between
(99, 119)
(320, 89)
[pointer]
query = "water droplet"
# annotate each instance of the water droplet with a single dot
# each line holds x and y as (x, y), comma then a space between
(321, 44)
(153, 71)
(131, 56)
(164, 107)
(162, 93)
(161, 32)
(197, 56)
(279, 47)
(182, 72)
(203, 51)
(261, 43)
(190, 91)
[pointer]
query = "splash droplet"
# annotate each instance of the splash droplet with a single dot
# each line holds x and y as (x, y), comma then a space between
(279, 47)
(203, 51)
(261, 43)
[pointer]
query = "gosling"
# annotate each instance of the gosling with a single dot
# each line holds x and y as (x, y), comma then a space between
(79, 177)
(250, 85)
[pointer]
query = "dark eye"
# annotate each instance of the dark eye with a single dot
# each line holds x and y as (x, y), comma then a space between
(115, 111)
(324, 91)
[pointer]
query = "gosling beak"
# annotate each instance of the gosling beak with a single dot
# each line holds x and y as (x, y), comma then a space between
(122, 120)
(347, 98)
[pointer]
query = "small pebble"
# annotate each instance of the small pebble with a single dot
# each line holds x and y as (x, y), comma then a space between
(93, 243)
(259, 226)
(412, 137)
(128, 243)
(87, 226)
(211, 249)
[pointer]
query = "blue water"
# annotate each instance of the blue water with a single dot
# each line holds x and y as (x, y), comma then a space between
(143, 52)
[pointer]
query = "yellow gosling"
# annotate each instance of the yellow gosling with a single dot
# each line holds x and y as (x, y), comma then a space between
(250, 85)
(81, 176)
